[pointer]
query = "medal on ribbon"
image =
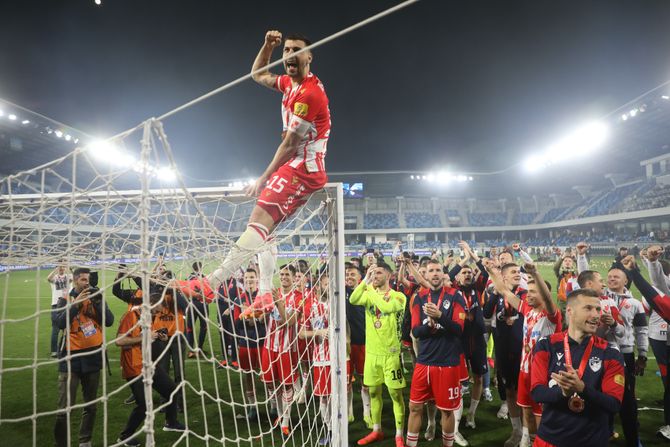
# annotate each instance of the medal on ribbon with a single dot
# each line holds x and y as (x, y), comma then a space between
(576, 403)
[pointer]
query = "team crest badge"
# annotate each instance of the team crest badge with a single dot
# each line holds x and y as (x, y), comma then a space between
(595, 364)
(446, 304)
(294, 180)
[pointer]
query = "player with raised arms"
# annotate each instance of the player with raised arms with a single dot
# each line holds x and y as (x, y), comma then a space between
(297, 168)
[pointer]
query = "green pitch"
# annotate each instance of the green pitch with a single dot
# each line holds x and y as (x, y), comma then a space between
(34, 390)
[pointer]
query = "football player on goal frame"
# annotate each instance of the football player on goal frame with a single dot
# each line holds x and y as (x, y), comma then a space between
(297, 168)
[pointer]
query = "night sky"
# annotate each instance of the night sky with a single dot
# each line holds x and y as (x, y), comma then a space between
(473, 85)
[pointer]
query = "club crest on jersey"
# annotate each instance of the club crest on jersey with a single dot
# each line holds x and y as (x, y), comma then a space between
(446, 304)
(300, 109)
(294, 180)
(595, 364)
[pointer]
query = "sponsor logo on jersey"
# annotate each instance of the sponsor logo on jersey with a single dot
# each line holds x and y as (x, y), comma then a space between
(300, 109)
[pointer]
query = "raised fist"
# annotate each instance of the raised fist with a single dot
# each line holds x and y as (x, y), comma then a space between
(273, 39)
(581, 248)
(628, 262)
(654, 252)
(530, 268)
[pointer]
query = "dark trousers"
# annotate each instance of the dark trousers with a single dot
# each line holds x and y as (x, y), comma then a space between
(54, 333)
(164, 386)
(89, 386)
(175, 357)
(628, 411)
(228, 342)
(498, 353)
(197, 311)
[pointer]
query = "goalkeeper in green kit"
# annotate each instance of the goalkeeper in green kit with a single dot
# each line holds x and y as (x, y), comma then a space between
(384, 310)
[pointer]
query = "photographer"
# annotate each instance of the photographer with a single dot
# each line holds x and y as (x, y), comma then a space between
(130, 341)
(80, 315)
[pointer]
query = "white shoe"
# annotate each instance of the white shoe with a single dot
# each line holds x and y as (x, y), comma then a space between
(513, 440)
(460, 440)
(300, 396)
(664, 432)
(470, 421)
(525, 441)
(488, 397)
(430, 432)
(503, 413)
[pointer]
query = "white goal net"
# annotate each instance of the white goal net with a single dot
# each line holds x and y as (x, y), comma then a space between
(122, 210)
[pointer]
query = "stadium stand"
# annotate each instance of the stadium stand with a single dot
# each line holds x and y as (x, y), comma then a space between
(524, 218)
(380, 221)
(487, 219)
(422, 220)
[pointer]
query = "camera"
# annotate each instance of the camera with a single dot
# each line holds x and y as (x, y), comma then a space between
(94, 295)
(162, 332)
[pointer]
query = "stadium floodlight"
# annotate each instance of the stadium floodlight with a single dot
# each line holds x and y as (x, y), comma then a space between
(68, 137)
(59, 134)
(107, 152)
(12, 117)
(633, 113)
(24, 122)
(581, 142)
(665, 97)
(534, 163)
(2, 113)
(411, 176)
(166, 173)
(624, 117)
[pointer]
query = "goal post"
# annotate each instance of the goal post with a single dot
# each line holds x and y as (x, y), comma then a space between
(97, 210)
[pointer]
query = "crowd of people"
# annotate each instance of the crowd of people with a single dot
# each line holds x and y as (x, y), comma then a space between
(563, 366)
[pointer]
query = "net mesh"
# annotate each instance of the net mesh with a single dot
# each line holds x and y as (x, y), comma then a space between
(122, 209)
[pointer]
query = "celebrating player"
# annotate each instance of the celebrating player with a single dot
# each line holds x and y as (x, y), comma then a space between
(315, 328)
(297, 168)
(438, 316)
(508, 342)
(541, 318)
(578, 377)
(356, 321)
(279, 356)
(383, 312)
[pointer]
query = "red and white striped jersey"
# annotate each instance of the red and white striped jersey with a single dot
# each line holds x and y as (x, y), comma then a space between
(318, 318)
(536, 324)
(305, 111)
(282, 337)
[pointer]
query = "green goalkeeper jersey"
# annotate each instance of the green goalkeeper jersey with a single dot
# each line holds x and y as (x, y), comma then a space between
(384, 312)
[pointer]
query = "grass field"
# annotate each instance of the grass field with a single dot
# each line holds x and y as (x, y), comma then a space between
(33, 390)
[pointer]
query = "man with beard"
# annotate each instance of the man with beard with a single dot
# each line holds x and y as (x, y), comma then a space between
(508, 341)
(279, 355)
(578, 377)
(297, 168)
(384, 310)
(474, 343)
(438, 316)
(356, 320)
(635, 335)
(541, 318)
